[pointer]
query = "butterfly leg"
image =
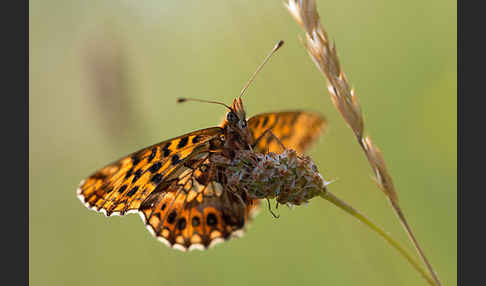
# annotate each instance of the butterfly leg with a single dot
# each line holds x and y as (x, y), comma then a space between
(270, 209)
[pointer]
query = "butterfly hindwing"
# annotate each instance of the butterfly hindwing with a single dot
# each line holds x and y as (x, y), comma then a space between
(193, 211)
(295, 129)
(122, 186)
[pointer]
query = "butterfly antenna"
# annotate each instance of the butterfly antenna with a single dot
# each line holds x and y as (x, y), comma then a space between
(275, 48)
(184, 99)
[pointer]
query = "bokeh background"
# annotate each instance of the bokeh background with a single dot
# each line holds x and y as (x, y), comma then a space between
(104, 76)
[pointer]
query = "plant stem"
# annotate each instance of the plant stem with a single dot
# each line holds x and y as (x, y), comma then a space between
(408, 230)
(361, 217)
(401, 217)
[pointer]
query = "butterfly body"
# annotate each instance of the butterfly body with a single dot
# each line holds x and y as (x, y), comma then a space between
(181, 191)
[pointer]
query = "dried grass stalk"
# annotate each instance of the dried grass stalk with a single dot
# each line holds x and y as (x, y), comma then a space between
(324, 55)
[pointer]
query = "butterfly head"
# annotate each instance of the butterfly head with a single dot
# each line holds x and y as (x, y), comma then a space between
(235, 125)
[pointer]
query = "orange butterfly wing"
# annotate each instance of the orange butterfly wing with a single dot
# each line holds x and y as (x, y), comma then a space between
(122, 186)
(174, 187)
(194, 212)
(296, 130)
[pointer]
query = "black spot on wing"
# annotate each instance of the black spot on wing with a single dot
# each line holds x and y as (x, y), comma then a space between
(175, 159)
(196, 139)
(155, 167)
(122, 189)
(132, 191)
(172, 216)
(196, 221)
(135, 160)
(183, 142)
(265, 121)
(181, 224)
(277, 118)
(212, 220)
(152, 155)
(166, 150)
(137, 175)
(255, 123)
(129, 173)
(157, 178)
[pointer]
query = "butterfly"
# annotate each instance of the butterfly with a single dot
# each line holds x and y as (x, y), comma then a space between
(177, 188)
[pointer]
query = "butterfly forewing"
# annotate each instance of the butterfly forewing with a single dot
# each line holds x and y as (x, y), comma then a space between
(123, 185)
(295, 129)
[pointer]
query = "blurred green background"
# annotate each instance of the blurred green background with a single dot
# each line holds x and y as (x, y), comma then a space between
(104, 76)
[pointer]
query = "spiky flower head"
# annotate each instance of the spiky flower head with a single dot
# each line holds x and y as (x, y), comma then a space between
(291, 178)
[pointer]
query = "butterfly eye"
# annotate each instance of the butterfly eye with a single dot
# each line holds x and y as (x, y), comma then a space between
(231, 117)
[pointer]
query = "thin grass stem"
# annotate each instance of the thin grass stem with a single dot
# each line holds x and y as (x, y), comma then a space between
(362, 218)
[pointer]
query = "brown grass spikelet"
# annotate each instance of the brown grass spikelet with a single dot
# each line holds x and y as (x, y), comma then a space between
(342, 95)
(324, 55)
(377, 162)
